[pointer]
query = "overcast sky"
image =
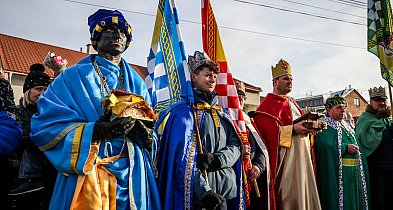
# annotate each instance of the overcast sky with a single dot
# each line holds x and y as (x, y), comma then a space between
(254, 36)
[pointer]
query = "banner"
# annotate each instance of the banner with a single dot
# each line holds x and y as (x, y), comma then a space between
(379, 35)
(168, 78)
(226, 89)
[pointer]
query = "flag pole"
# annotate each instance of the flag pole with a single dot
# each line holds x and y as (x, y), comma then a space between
(390, 97)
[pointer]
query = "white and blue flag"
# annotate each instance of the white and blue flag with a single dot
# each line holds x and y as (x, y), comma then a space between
(168, 78)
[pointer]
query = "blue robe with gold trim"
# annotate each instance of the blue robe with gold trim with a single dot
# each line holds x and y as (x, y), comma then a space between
(63, 128)
(177, 155)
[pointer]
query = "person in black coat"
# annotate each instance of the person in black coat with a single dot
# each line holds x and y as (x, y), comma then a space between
(36, 174)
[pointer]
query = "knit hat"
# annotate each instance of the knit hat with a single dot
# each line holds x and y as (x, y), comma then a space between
(104, 18)
(36, 77)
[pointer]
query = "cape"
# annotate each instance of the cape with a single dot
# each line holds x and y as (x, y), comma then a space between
(177, 159)
(63, 129)
(369, 130)
(332, 176)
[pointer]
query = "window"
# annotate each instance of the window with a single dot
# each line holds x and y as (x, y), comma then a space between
(356, 101)
(318, 102)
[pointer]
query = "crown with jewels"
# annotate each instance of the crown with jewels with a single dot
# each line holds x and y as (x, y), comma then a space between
(377, 93)
(198, 59)
(281, 68)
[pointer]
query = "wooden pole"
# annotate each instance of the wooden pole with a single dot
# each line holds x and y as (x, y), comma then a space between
(256, 188)
(200, 150)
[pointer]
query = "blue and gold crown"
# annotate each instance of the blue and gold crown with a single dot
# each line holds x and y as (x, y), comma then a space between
(199, 59)
(104, 18)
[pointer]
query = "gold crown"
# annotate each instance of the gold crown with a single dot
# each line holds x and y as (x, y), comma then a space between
(282, 68)
(377, 93)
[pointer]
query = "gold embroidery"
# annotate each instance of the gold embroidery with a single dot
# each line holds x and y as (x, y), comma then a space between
(214, 109)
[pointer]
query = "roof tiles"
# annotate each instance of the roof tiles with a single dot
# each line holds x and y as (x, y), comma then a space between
(17, 55)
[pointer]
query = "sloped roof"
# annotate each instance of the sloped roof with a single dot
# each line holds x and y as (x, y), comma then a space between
(341, 93)
(17, 55)
(324, 96)
(250, 87)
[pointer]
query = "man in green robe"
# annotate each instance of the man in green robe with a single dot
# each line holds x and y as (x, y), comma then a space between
(374, 131)
(341, 166)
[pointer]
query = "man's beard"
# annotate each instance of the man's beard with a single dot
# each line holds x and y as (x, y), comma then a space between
(379, 113)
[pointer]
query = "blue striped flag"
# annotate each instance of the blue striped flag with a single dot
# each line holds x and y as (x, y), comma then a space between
(168, 78)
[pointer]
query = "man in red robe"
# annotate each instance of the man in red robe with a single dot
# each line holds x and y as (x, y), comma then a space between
(292, 181)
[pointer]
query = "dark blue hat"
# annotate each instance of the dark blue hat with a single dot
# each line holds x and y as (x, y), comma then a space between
(104, 18)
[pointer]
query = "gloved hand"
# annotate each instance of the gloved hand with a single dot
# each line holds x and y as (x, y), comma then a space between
(104, 128)
(142, 134)
(212, 200)
(207, 160)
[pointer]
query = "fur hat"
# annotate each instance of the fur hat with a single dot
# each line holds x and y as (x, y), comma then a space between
(281, 68)
(36, 77)
(104, 18)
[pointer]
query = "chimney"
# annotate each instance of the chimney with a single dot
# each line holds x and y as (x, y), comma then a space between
(90, 49)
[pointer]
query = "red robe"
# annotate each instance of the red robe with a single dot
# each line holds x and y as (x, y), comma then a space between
(274, 111)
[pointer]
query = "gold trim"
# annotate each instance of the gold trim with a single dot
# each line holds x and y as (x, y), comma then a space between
(76, 145)
(269, 115)
(98, 28)
(351, 162)
(214, 110)
(59, 136)
(161, 127)
(286, 135)
(115, 20)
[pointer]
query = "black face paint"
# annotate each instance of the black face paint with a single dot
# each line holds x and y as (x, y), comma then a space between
(113, 41)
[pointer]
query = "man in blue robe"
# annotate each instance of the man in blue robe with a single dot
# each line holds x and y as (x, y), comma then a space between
(188, 178)
(98, 168)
